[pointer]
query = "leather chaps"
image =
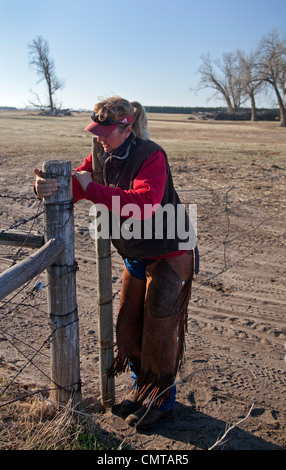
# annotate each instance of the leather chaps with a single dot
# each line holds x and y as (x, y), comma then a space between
(151, 325)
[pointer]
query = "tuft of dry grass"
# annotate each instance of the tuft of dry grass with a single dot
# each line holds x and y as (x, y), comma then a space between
(42, 427)
(33, 423)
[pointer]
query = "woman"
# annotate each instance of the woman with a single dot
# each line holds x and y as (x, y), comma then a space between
(158, 272)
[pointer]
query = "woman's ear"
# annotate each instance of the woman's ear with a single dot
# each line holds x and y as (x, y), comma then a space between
(128, 131)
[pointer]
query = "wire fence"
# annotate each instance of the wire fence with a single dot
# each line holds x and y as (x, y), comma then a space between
(227, 220)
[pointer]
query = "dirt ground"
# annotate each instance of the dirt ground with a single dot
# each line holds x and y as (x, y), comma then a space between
(235, 346)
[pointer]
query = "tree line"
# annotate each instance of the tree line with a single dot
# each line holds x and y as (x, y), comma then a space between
(239, 77)
(218, 113)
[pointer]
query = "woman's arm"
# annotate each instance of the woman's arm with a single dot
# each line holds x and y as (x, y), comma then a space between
(45, 187)
(148, 187)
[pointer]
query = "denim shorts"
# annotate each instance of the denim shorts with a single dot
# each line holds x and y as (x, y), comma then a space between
(136, 268)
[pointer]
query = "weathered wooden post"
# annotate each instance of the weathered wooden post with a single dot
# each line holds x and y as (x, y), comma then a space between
(104, 292)
(62, 304)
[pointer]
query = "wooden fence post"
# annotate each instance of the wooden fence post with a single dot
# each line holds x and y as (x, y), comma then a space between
(61, 282)
(104, 292)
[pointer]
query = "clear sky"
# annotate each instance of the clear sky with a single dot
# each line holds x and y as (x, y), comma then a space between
(144, 50)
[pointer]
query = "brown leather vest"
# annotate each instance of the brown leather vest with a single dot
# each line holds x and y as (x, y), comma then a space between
(121, 173)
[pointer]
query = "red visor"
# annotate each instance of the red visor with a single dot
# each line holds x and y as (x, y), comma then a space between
(102, 129)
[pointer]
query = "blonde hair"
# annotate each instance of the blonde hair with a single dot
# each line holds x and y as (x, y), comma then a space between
(116, 108)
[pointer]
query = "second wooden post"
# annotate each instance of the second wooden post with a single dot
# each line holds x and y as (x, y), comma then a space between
(104, 292)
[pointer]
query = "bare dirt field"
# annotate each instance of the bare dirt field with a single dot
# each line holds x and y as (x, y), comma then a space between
(235, 346)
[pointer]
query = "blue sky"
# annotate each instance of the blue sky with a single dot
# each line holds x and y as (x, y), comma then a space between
(144, 50)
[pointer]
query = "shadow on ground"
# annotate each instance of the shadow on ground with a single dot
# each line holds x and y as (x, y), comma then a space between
(199, 431)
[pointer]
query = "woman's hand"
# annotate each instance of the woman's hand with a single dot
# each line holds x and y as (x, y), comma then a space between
(84, 178)
(44, 187)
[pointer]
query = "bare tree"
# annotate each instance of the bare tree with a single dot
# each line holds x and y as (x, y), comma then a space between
(271, 66)
(250, 82)
(224, 77)
(41, 61)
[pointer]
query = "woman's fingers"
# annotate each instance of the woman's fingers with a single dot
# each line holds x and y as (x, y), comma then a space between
(38, 172)
(45, 187)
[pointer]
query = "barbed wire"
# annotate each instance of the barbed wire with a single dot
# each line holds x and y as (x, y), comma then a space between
(32, 293)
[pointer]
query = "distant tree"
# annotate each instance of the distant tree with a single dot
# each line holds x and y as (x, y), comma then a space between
(42, 63)
(271, 67)
(224, 77)
(251, 84)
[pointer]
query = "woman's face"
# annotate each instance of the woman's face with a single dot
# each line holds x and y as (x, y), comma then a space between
(112, 141)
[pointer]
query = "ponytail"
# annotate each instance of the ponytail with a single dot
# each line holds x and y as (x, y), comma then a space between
(140, 124)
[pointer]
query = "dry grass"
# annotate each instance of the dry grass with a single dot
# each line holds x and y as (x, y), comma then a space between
(24, 133)
(223, 140)
(30, 423)
(34, 423)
